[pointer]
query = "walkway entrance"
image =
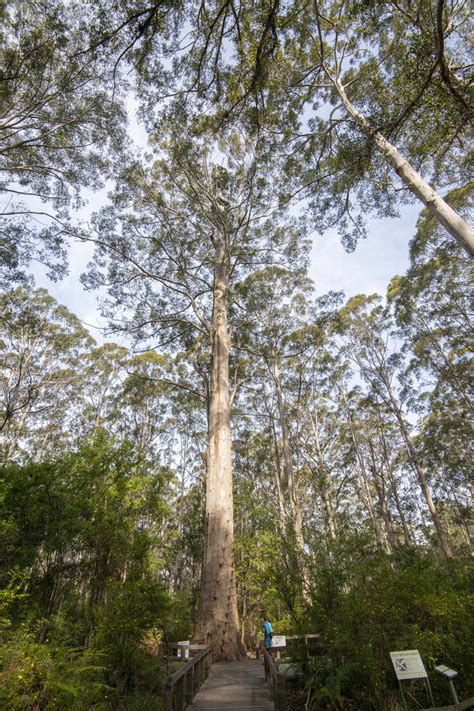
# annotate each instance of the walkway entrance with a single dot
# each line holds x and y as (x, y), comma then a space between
(234, 686)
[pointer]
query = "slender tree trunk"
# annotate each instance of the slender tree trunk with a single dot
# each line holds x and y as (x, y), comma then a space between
(277, 471)
(398, 504)
(217, 620)
(379, 483)
(325, 494)
(369, 500)
(439, 208)
(415, 460)
(293, 499)
(325, 488)
(364, 480)
(391, 478)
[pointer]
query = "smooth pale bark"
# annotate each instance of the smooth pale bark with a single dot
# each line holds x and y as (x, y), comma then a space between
(393, 483)
(277, 473)
(416, 463)
(217, 620)
(279, 488)
(364, 482)
(439, 208)
(369, 499)
(325, 490)
(378, 478)
(406, 533)
(296, 521)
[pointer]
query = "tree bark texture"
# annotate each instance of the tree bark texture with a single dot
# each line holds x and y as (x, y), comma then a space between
(439, 208)
(217, 621)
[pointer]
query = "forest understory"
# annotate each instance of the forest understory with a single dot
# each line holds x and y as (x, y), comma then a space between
(234, 444)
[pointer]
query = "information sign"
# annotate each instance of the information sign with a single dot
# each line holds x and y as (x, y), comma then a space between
(446, 671)
(408, 665)
(183, 649)
(278, 641)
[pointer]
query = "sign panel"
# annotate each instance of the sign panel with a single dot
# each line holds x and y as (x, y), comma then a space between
(183, 649)
(446, 671)
(408, 664)
(279, 641)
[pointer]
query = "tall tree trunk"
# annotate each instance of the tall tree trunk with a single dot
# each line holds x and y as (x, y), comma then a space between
(393, 483)
(364, 480)
(406, 533)
(217, 620)
(325, 490)
(378, 478)
(439, 208)
(415, 461)
(277, 472)
(293, 499)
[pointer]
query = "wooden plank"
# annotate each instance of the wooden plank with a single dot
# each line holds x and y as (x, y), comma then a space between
(234, 686)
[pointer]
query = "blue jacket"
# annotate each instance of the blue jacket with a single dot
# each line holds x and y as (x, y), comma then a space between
(267, 630)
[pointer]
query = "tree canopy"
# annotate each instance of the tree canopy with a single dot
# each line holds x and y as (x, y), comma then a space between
(247, 446)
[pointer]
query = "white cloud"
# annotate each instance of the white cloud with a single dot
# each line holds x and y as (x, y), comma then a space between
(374, 262)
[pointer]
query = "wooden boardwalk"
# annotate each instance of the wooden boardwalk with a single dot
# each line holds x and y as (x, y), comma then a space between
(234, 686)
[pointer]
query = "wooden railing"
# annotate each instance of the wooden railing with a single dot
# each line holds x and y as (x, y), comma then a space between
(276, 681)
(181, 687)
(312, 642)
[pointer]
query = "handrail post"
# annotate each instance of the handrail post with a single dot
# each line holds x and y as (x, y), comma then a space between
(189, 686)
(168, 697)
(265, 664)
(180, 695)
(279, 697)
(179, 688)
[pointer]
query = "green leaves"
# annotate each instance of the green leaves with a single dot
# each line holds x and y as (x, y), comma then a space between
(84, 525)
(412, 601)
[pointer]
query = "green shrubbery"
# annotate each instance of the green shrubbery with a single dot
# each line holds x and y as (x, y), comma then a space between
(366, 605)
(81, 588)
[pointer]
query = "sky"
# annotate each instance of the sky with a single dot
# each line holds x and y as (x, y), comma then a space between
(368, 269)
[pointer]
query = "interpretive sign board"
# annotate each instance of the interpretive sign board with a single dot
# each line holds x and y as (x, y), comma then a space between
(183, 649)
(278, 641)
(408, 665)
(446, 671)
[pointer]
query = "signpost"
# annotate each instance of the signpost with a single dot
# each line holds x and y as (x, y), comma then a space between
(449, 674)
(409, 665)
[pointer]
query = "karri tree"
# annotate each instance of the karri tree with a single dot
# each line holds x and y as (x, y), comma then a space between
(42, 345)
(172, 248)
(365, 327)
(369, 103)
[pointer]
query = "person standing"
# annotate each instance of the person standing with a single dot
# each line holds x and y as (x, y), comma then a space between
(267, 632)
